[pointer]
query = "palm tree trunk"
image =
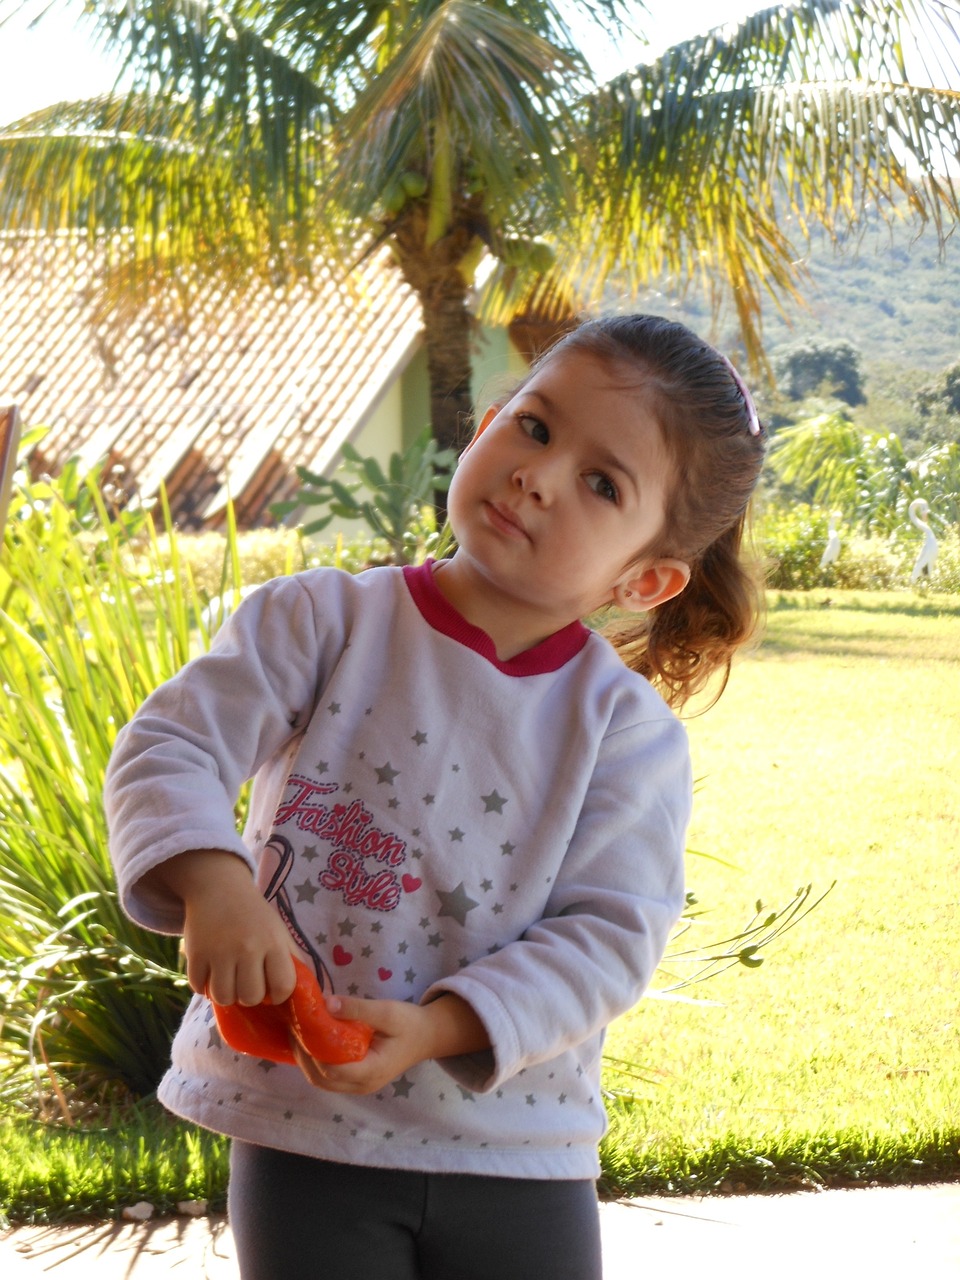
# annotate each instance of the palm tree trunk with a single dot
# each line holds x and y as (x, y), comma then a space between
(448, 336)
(433, 272)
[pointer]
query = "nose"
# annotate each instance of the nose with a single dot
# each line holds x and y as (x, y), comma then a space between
(537, 478)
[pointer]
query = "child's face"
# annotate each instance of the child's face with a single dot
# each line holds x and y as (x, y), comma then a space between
(562, 488)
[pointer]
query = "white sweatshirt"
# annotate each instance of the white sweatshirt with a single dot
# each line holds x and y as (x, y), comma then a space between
(426, 818)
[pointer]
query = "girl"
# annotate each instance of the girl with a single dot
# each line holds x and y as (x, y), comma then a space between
(468, 816)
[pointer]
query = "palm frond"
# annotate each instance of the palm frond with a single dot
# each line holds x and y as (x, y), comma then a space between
(467, 65)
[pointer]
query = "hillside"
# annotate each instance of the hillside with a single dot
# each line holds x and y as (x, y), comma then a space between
(891, 294)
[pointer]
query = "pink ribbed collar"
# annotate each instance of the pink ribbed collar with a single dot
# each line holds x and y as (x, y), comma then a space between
(549, 655)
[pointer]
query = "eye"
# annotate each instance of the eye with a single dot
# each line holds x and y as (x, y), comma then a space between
(534, 428)
(603, 486)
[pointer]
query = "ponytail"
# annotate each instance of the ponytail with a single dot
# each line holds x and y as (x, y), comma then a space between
(682, 645)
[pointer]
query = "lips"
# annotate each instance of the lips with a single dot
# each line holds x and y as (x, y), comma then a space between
(506, 520)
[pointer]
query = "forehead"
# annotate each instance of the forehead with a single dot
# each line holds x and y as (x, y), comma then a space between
(596, 393)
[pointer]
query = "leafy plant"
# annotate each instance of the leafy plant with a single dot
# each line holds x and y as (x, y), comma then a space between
(793, 537)
(866, 475)
(396, 506)
(94, 616)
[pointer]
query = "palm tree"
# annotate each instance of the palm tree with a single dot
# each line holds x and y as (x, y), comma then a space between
(865, 475)
(261, 137)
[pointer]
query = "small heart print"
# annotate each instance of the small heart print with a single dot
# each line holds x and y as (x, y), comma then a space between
(385, 974)
(411, 884)
(340, 956)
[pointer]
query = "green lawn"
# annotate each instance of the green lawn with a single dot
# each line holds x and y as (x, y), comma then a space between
(834, 755)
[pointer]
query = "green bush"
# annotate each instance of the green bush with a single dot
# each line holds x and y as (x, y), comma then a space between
(397, 505)
(93, 618)
(792, 540)
(868, 564)
(261, 554)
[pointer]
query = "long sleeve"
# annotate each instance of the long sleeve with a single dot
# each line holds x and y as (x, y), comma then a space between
(177, 768)
(618, 893)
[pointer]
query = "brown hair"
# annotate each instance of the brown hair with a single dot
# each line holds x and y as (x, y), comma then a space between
(704, 417)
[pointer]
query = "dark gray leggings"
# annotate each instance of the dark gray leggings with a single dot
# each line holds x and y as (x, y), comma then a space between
(294, 1218)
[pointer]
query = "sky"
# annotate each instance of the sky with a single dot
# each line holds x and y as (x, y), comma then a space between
(57, 61)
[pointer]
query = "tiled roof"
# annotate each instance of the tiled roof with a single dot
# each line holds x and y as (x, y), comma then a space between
(224, 405)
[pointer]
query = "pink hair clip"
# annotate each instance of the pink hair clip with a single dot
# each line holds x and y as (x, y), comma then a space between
(753, 422)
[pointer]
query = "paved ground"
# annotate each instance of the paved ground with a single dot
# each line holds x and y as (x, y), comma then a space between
(886, 1233)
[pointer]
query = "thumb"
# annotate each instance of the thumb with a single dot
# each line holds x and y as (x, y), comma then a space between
(347, 1007)
(375, 1013)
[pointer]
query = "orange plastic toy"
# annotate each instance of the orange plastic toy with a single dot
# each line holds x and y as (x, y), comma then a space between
(264, 1030)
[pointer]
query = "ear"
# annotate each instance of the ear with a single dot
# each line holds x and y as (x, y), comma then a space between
(485, 421)
(654, 585)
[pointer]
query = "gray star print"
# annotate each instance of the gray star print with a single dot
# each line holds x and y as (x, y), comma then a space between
(456, 835)
(334, 708)
(493, 803)
(419, 738)
(456, 903)
(386, 773)
(402, 1087)
(306, 892)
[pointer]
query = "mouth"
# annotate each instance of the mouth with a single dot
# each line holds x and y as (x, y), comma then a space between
(501, 517)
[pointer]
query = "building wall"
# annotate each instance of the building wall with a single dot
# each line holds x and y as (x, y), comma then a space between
(404, 410)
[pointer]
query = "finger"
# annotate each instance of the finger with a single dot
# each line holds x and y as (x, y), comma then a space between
(281, 976)
(379, 1014)
(251, 982)
(198, 975)
(220, 986)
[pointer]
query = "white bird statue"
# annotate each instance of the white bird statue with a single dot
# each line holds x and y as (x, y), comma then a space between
(918, 509)
(832, 549)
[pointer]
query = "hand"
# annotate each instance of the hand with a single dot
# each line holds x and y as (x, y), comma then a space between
(237, 947)
(404, 1034)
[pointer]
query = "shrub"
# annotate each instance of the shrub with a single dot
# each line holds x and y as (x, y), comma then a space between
(261, 554)
(94, 617)
(792, 539)
(868, 564)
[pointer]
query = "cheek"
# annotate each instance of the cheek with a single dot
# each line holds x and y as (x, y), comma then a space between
(462, 485)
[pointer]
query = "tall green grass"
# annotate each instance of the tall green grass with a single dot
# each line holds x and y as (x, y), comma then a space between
(833, 756)
(95, 613)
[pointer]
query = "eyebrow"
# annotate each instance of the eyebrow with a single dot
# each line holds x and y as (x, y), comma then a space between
(609, 459)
